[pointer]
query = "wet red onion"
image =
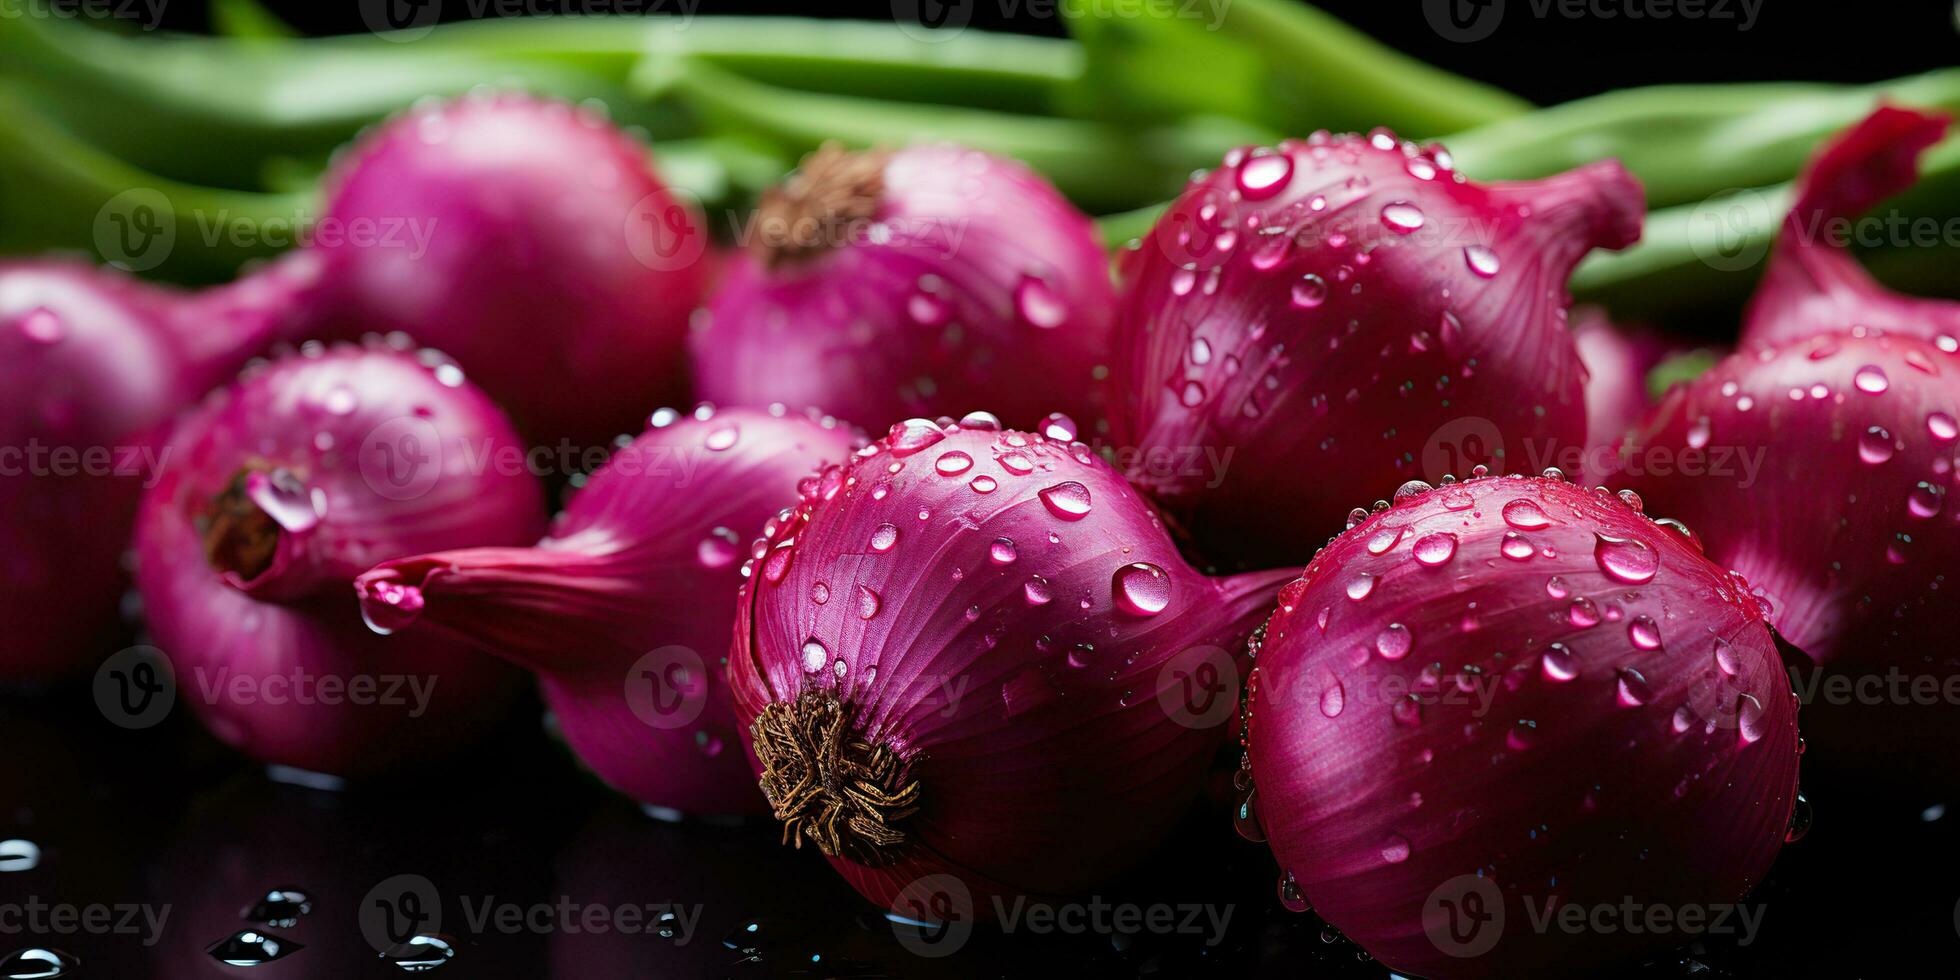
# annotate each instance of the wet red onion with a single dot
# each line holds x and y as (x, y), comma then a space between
(988, 635)
(885, 285)
(1510, 691)
(278, 491)
(1340, 313)
(624, 610)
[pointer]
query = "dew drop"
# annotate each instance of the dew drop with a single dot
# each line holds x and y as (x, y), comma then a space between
(1310, 291)
(884, 537)
(1875, 446)
(1725, 657)
(1526, 515)
(1002, 552)
(815, 655)
(1942, 426)
(1871, 380)
(1036, 590)
(1141, 589)
(1583, 613)
(1262, 177)
(868, 603)
(1394, 642)
(1643, 633)
(1625, 559)
(1924, 501)
(1068, 501)
(1333, 698)
(1395, 849)
(1481, 260)
(953, 463)
(1632, 688)
(1038, 304)
(1559, 663)
(912, 435)
(1435, 549)
(984, 484)
(722, 438)
(1401, 217)
(1359, 586)
(1058, 427)
(1515, 547)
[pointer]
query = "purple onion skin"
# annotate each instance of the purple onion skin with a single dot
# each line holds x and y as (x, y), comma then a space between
(1539, 693)
(1618, 360)
(1827, 451)
(378, 454)
(1813, 284)
(533, 266)
(95, 363)
(992, 288)
(1310, 322)
(646, 558)
(982, 603)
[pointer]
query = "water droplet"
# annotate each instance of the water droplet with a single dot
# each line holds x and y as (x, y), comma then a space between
(1515, 547)
(1942, 426)
(1395, 849)
(1359, 586)
(1632, 688)
(1800, 820)
(1036, 589)
(1310, 291)
(420, 954)
(1068, 501)
(1875, 446)
(1556, 587)
(19, 855)
(1407, 712)
(1002, 551)
(912, 435)
(1559, 663)
(820, 593)
(1643, 633)
(1481, 260)
(1038, 304)
(1924, 500)
(280, 908)
(953, 463)
(249, 947)
(38, 963)
(1262, 177)
(1583, 613)
(1394, 642)
(1435, 549)
(1059, 427)
(984, 484)
(1725, 657)
(1401, 217)
(1749, 721)
(868, 603)
(1141, 589)
(1698, 433)
(1871, 380)
(1383, 539)
(1526, 515)
(1333, 699)
(815, 655)
(1291, 896)
(884, 537)
(719, 549)
(1625, 559)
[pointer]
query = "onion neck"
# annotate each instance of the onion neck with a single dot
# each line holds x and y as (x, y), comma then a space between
(831, 786)
(1599, 205)
(218, 329)
(814, 210)
(260, 534)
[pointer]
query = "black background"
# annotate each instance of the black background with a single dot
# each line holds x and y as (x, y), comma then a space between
(1547, 58)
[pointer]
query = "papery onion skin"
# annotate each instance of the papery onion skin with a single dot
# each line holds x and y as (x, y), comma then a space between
(1312, 321)
(977, 599)
(967, 279)
(528, 239)
(95, 363)
(1813, 283)
(1502, 722)
(406, 456)
(646, 558)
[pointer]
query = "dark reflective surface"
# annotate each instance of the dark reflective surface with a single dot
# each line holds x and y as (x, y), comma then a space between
(512, 863)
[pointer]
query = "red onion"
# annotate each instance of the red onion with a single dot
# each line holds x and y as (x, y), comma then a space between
(92, 363)
(1812, 283)
(977, 652)
(529, 240)
(624, 610)
(1348, 312)
(280, 490)
(883, 285)
(1620, 366)
(1508, 691)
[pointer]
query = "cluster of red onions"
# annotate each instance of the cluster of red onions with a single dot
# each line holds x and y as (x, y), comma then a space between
(278, 491)
(976, 652)
(1826, 449)
(1507, 694)
(882, 285)
(623, 611)
(93, 364)
(1314, 321)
